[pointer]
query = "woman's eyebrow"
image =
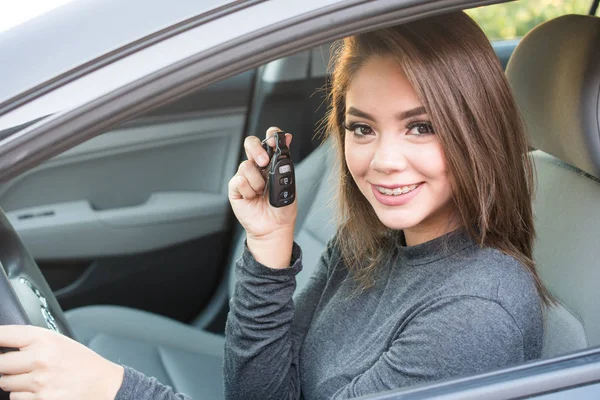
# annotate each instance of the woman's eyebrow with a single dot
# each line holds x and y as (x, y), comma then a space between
(360, 114)
(411, 113)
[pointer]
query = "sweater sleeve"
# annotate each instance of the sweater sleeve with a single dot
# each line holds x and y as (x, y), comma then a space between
(265, 329)
(453, 336)
(140, 387)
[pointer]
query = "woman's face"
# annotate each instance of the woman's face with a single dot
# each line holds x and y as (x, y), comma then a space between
(394, 155)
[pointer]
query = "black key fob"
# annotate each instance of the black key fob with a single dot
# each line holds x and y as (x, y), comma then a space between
(281, 181)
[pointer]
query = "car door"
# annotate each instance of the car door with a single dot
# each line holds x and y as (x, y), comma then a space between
(571, 376)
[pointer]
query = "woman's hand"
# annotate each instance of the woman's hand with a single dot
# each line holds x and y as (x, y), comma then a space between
(269, 230)
(51, 366)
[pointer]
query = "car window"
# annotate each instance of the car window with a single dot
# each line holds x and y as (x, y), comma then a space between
(513, 20)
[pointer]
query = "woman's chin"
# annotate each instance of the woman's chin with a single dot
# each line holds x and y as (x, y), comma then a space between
(398, 221)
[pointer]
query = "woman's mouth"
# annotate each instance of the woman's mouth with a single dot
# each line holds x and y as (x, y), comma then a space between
(397, 196)
(397, 191)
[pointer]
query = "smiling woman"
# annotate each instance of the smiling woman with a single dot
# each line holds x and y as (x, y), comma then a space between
(430, 274)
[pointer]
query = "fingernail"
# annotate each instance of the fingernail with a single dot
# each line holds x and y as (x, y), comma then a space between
(262, 159)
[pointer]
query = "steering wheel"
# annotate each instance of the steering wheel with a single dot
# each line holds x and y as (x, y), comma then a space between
(25, 296)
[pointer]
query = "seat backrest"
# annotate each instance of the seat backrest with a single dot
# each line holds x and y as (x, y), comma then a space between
(555, 75)
(315, 224)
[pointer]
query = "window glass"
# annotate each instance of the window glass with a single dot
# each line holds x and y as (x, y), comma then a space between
(513, 20)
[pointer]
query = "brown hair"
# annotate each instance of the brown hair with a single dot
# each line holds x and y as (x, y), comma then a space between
(454, 71)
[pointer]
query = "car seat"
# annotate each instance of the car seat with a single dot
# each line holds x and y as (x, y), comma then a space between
(555, 75)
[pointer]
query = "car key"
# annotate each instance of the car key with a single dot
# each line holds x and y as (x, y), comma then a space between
(281, 181)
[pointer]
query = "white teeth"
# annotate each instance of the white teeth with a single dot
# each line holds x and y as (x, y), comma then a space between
(396, 191)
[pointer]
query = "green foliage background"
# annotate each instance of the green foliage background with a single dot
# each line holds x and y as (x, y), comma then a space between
(515, 19)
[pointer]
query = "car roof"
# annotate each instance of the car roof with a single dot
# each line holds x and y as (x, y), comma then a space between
(43, 48)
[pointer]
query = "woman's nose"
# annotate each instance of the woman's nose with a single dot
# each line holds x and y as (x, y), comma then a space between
(389, 158)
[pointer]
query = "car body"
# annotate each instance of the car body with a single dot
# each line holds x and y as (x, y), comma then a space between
(120, 126)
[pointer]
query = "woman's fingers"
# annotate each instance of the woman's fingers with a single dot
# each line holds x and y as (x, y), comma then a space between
(246, 190)
(15, 362)
(270, 132)
(255, 151)
(271, 140)
(253, 175)
(16, 336)
(18, 383)
(239, 188)
(23, 396)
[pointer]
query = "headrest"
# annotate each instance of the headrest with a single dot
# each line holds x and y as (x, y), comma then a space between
(555, 75)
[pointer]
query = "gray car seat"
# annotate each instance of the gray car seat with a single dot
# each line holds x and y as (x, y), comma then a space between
(555, 74)
(186, 358)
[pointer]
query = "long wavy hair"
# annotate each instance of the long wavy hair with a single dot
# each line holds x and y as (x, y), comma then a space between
(460, 82)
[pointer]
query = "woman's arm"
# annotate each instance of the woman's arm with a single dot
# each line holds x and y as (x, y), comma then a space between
(265, 329)
(140, 387)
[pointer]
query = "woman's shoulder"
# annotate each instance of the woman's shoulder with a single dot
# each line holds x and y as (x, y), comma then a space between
(489, 273)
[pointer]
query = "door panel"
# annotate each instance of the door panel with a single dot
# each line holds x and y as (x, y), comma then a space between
(136, 189)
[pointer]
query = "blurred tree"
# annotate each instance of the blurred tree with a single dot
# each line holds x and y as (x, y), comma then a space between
(515, 19)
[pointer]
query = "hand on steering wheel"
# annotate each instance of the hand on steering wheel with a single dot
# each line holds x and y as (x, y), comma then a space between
(48, 365)
(51, 366)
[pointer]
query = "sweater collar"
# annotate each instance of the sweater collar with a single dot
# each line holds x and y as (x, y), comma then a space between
(433, 250)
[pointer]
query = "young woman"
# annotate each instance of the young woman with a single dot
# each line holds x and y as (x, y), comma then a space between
(430, 274)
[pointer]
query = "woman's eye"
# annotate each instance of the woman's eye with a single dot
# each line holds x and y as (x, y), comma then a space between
(359, 129)
(420, 128)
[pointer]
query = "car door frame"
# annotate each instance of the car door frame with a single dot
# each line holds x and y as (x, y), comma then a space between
(316, 24)
(545, 378)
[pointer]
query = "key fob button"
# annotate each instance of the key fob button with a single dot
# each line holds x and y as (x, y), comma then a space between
(286, 194)
(286, 180)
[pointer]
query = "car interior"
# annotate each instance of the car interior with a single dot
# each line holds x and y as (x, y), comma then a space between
(134, 233)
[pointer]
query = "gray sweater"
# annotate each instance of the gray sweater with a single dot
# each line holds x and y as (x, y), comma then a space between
(440, 309)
